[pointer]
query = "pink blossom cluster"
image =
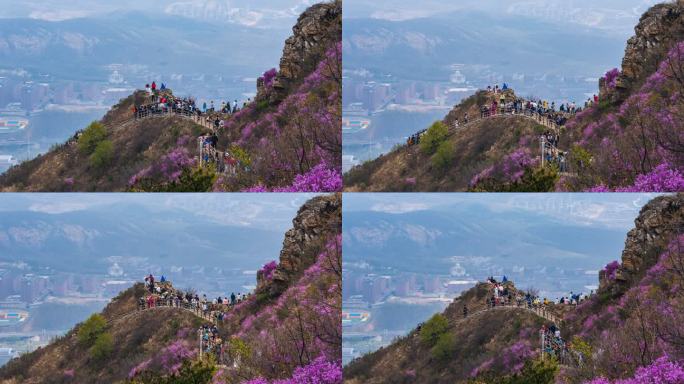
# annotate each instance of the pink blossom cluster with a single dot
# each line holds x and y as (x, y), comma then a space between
(663, 178)
(267, 270)
(320, 371)
(662, 371)
(510, 169)
(288, 141)
(167, 361)
(167, 169)
(611, 78)
(611, 270)
(309, 308)
(269, 77)
(637, 145)
(319, 179)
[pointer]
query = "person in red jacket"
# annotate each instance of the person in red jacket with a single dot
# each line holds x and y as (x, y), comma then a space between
(154, 86)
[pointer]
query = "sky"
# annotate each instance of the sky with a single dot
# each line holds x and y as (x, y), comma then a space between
(261, 211)
(613, 15)
(613, 210)
(258, 13)
(555, 242)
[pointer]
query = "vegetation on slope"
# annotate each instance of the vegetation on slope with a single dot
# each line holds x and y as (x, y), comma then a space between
(631, 140)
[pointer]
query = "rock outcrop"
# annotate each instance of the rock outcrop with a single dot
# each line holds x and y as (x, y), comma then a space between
(315, 222)
(317, 29)
(658, 30)
(657, 223)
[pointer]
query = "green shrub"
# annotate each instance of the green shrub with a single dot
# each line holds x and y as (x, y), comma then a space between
(196, 179)
(533, 180)
(103, 346)
(191, 372)
(537, 180)
(534, 372)
(445, 347)
(91, 329)
(444, 156)
(241, 155)
(431, 331)
(580, 158)
(239, 349)
(91, 137)
(103, 154)
(434, 136)
(261, 105)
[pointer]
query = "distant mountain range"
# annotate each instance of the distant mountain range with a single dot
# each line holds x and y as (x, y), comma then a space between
(82, 241)
(505, 43)
(426, 241)
(163, 43)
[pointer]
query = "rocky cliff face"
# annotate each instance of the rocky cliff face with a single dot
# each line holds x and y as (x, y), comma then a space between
(658, 30)
(317, 29)
(314, 223)
(657, 223)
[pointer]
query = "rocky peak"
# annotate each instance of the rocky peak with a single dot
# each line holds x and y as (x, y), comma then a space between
(658, 222)
(658, 30)
(316, 30)
(316, 220)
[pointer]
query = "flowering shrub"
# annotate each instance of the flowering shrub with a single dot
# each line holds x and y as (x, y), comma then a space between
(267, 271)
(320, 371)
(636, 146)
(611, 270)
(168, 361)
(310, 309)
(269, 77)
(611, 78)
(318, 179)
(662, 371)
(295, 143)
(662, 178)
(510, 169)
(167, 169)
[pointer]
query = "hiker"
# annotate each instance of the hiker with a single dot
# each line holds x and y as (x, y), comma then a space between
(163, 279)
(154, 86)
(465, 311)
(150, 282)
(465, 118)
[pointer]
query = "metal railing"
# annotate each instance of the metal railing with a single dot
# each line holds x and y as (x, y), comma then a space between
(200, 119)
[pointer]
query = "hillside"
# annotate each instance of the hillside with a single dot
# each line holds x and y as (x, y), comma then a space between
(288, 138)
(472, 148)
(630, 140)
(632, 325)
(300, 295)
(489, 340)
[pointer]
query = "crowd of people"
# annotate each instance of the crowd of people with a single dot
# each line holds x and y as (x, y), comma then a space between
(163, 294)
(415, 138)
(504, 103)
(553, 155)
(211, 341)
(162, 101)
(225, 161)
(553, 343)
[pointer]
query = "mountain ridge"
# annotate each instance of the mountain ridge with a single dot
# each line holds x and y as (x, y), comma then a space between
(306, 276)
